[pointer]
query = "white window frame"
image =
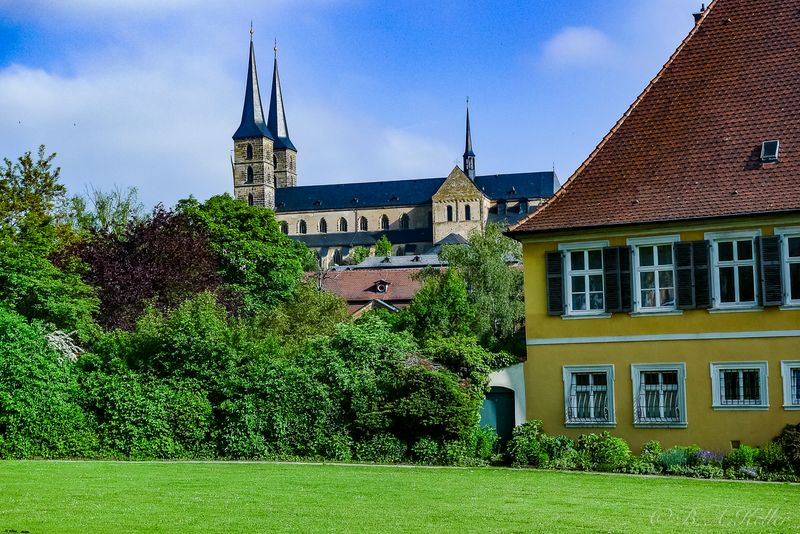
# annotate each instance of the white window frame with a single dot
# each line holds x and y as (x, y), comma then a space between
(655, 241)
(567, 372)
(787, 368)
(716, 393)
(636, 376)
(567, 248)
(786, 234)
(715, 238)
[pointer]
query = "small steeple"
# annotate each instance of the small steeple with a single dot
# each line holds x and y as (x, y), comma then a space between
(469, 155)
(252, 124)
(276, 122)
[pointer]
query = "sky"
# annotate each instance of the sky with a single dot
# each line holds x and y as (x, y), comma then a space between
(147, 93)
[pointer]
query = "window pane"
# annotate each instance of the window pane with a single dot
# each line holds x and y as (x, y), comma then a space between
(795, 386)
(726, 284)
(596, 282)
(794, 247)
(649, 298)
(596, 301)
(671, 404)
(794, 280)
(599, 379)
(650, 379)
(746, 284)
(725, 251)
(646, 256)
(577, 261)
(582, 405)
(578, 284)
(670, 378)
(667, 297)
(595, 259)
(581, 379)
(665, 254)
(744, 250)
(579, 302)
(651, 404)
(665, 279)
(648, 280)
(600, 405)
(751, 386)
(730, 386)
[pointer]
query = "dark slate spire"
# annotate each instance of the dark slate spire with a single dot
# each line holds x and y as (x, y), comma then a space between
(252, 124)
(277, 117)
(469, 155)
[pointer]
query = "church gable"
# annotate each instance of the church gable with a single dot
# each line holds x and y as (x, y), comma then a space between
(457, 186)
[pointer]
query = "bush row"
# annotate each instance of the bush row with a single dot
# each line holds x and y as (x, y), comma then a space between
(778, 460)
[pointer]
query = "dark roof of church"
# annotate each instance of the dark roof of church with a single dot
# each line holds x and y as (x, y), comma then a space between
(369, 238)
(408, 192)
(252, 124)
(689, 147)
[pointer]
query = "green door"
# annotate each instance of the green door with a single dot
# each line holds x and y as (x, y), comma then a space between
(498, 412)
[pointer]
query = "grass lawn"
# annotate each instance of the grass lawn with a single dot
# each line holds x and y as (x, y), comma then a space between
(240, 497)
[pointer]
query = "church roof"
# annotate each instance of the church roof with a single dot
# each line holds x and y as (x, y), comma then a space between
(407, 192)
(252, 124)
(276, 122)
(365, 239)
(690, 146)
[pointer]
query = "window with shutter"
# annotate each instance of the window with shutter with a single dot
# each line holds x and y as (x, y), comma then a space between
(691, 275)
(584, 291)
(555, 283)
(654, 279)
(770, 270)
(617, 278)
(734, 269)
(790, 265)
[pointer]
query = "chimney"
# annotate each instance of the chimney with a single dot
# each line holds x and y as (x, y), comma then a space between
(697, 16)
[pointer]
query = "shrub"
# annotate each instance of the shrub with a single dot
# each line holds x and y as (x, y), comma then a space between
(486, 443)
(789, 440)
(607, 453)
(744, 456)
(525, 446)
(651, 451)
(707, 457)
(673, 458)
(425, 451)
(382, 449)
(772, 458)
(640, 466)
(698, 471)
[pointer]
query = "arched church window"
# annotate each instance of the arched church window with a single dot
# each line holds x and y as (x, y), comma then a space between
(249, 151)
(342, 224)
(275, 162)
(467, 213)
(323, 226)
(404, 221)
(249, 174)
(449, 213)
(363, 225)
(384, 222)
(285, 227)
(337, 257)
(301, 227)
(250, 199)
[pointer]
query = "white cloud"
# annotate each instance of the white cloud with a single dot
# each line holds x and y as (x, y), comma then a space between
(576, 47)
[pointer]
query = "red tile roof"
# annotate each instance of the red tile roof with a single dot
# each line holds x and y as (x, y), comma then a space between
(361, 285)
(689, 147)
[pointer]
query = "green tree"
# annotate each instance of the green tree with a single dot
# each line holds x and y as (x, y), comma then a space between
(441, 308)
(359, 254)
(103, 212)
(255, 258)
(489, 268)
(383, 247)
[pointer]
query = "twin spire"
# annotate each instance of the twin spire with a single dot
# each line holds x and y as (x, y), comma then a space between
(469, 155)
(253, 124)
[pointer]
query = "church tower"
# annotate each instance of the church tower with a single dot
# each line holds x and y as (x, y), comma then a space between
(285, 154)
(469, 155)
(253, 159)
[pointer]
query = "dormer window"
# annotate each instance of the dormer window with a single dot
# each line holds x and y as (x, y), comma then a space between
(769, 151)
(381, 286)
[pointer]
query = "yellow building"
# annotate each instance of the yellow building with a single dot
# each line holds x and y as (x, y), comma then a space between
(662, 282)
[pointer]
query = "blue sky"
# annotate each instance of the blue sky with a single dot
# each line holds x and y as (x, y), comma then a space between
(147, 93)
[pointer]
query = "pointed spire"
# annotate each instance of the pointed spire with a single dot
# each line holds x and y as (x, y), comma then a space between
(252, 124)
(469, 155)
(276, 121)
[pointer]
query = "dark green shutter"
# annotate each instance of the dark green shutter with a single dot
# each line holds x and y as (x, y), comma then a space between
(617, 278)
(770, 269)
(554, 267)
(692, 275)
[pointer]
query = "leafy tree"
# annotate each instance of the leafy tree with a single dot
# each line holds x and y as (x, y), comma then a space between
(359, 254)
(441, 308)
(494, 285)
(383, 247)
(159, 261)
(255, 258)
(103, 212)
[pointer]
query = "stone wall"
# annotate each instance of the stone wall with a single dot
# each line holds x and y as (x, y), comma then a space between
(262, 184)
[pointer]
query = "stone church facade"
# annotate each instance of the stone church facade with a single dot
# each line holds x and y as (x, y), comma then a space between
(415, 215)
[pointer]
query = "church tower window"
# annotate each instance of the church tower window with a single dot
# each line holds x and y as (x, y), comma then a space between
(250, 199)
(301, 227)
(285, 227)
(249, 174)
(384, 222)
(323, 226)
(249, 151)
(363, 225)
(342, 224)
(404, 221)
(449, 213)
(275, 161)
(467, 213)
